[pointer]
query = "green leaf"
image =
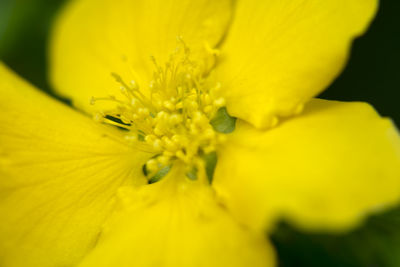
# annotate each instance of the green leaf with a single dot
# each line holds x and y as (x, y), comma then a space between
(211, 161)
(24, 34)
(5, 14)
(159, 175)
(376, 243)
(222, 122)
(192, 174)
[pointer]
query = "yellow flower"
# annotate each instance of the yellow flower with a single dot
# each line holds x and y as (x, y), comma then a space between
(75, 191)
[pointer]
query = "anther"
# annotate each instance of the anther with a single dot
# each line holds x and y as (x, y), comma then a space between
(220, 102)
(152, 165)
(173, 121)
(134, 85)
(169, 105)
(163, 160)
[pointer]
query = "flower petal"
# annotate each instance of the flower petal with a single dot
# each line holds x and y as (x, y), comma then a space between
(326, 169)
(279, 54)
(177, 223)
(94, 39)
(59, 172)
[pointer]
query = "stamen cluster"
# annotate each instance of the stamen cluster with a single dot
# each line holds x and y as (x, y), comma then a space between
(171, 117)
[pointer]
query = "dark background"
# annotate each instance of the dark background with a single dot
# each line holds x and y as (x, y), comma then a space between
(372, 75)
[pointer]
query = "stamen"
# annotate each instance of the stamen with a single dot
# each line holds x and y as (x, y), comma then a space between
(172, 117)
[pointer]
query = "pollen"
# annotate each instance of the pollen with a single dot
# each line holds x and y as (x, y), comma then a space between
(170, 116)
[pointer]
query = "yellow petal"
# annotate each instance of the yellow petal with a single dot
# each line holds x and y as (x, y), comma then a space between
(326, 169)
(279, 54)
(94, 38)
(59, 172)
(176, 223)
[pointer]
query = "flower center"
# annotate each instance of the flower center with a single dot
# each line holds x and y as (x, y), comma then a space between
(171, 117)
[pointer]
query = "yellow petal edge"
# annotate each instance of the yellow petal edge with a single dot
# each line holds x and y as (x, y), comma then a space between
(94, 38)
(280, 53)
(324, 170)
(59, 173)
(177, 223)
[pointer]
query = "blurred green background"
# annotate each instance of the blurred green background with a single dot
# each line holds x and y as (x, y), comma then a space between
(372, 75)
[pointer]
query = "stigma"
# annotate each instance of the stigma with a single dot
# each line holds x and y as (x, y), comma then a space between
(171, 116)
